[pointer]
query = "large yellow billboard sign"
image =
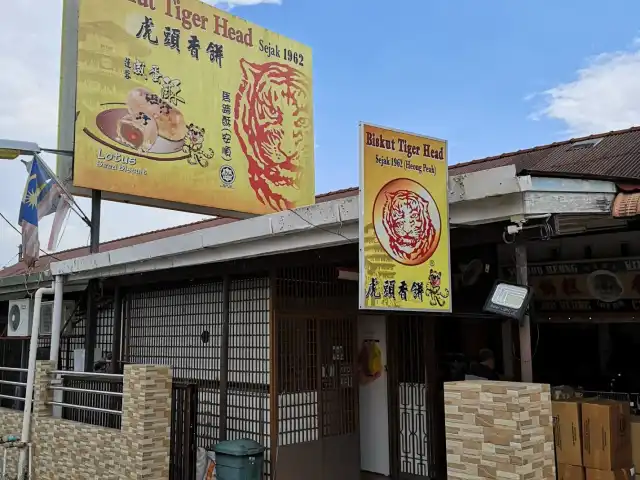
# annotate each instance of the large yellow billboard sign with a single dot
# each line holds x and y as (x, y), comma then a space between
(182, 102)
(404, 224)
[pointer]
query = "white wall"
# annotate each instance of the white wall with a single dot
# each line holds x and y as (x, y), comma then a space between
(374, 410)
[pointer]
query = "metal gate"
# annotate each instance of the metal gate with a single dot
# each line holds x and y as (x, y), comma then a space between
(416, 407)
(317, 398)
(184, 418)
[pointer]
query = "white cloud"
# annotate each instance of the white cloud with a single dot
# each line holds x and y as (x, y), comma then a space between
(603, 96)
(29, 87)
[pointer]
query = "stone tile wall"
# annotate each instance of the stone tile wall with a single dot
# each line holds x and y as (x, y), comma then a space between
(146, 422)
(66, 450)
(10, 424)
(498, 430)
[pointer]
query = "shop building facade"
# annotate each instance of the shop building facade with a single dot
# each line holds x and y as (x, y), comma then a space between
(256, 316)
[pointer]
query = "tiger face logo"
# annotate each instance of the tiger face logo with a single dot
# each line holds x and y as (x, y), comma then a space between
(434, 279)
(195, 136)
(273, 109)
(408, 225)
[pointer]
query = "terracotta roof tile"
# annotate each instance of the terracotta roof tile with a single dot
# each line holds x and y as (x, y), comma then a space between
(615, 157)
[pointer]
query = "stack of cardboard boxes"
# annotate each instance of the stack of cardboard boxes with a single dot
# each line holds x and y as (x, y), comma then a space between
(593, 440)
(635, 440)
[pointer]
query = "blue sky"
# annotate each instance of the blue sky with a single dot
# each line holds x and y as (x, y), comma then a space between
(489, 76)
(459, 70)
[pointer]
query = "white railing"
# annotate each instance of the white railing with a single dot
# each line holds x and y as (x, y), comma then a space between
(18, 385)
(58, 385)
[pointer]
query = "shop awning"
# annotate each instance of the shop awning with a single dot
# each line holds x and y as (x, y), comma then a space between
(627, 202)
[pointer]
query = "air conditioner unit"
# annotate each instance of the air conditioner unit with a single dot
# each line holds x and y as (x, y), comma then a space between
(575, 224)
(46, 316)
(20, 318)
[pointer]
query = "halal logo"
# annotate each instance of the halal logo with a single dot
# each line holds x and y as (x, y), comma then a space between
(227, 175)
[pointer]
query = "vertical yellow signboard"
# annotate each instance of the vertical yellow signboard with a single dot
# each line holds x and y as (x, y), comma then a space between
(404, 224)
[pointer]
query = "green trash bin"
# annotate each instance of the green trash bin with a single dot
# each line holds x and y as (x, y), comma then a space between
(239, 460)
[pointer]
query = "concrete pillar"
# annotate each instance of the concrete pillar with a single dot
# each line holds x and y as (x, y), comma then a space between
(146, 421)
(43, 436)
(41, 391)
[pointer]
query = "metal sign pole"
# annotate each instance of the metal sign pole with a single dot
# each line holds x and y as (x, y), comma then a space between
(92, 289)
(96, 204)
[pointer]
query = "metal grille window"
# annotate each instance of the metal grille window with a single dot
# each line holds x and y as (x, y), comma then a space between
(297, 380)
(73, 337)
(93, 400)
(297, 356)
(339, 389)
(13, 354)
(248, 409)
(314, 287)
(318, 396)
(182, 327)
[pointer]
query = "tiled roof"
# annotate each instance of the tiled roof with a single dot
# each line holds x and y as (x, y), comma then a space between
(615, 157)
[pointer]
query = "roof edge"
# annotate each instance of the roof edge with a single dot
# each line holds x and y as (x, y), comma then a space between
(545, 147)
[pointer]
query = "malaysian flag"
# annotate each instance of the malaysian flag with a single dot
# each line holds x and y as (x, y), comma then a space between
(43, 196)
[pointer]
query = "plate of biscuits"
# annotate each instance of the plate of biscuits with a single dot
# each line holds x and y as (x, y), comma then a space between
(145, 124)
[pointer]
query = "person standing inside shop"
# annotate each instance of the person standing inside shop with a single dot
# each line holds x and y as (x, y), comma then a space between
(484, 368)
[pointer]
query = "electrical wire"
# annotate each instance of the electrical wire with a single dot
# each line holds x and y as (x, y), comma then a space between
(20, 233)
(6, 264)
(10, 224)
(338, 233)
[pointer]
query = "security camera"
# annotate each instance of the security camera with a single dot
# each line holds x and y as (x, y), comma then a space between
(514, 229)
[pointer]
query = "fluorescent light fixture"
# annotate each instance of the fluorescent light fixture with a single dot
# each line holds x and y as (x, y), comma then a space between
(348, 274)
(10, 149)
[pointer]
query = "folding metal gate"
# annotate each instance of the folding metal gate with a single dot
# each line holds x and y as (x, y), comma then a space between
(415, 399)
(317, 398)
(184, 417)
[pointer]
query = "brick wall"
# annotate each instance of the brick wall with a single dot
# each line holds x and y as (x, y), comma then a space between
(66, 450)
(10, 424)
(499, 430)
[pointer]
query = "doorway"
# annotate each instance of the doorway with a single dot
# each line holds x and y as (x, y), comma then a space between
(317, 397)
(416, 405)
(374, 405)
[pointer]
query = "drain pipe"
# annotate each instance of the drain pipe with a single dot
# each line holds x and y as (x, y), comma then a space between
(56, 323)
(54, 352)
(31, 376)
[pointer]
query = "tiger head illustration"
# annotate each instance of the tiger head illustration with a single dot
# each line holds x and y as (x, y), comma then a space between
(435, 278)
(273, 110)
(407, 223)
(194, 136)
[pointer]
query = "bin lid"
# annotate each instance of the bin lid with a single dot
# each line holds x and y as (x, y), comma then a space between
(240, 448)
